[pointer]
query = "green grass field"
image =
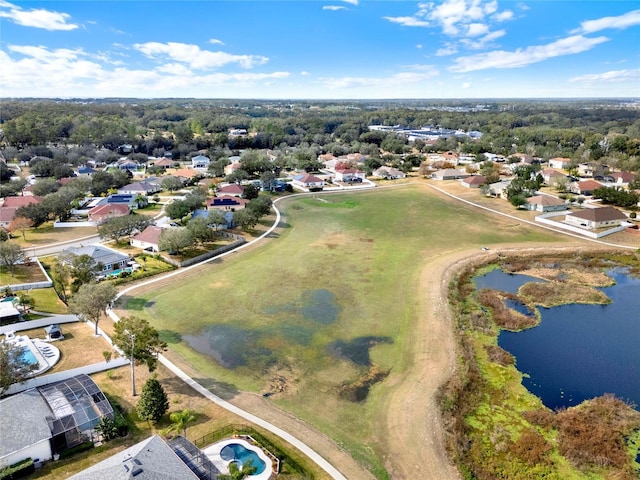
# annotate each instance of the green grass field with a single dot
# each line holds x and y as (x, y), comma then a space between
(341, 277)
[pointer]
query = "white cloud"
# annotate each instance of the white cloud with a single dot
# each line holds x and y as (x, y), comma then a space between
(611, 76)
(453, 15)
(502, 16)
(419, 46)
(215, 41)
(477, 29)
(408, 21)
(196, 58)
(456, 18)
(70, 73)
(526, 56)
(36, 17)
(478, 43)
(333, 8)
(620, 22)
(448, 49)
(397, 80)
(352, 2)
(467, 85)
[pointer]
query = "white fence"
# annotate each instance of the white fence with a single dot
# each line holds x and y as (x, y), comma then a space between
(40, 323)
(56, 377)
(73, 224)
(27, 286)
(580, 231)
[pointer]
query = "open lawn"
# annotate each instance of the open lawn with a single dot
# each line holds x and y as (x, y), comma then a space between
(46, 234)
(324, 315)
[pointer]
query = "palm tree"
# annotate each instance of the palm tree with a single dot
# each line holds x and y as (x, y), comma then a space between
(180, 420)
(239, 473)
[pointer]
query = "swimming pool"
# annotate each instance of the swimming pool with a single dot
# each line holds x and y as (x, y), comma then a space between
(27, 355)
(238, 450)
(35, 351)
(238, 453)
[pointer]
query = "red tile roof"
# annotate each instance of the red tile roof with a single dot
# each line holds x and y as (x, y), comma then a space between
(21, 201)
(151, 234)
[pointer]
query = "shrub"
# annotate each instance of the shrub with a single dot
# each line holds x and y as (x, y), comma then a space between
(18, 470)
(593, 434)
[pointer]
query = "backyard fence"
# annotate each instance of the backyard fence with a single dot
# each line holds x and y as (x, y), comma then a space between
(39, 323)
(28, 286)
(56, 377)
(546, 219)
(238, 431)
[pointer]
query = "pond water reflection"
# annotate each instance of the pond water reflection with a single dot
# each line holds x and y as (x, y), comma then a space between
(581, 351)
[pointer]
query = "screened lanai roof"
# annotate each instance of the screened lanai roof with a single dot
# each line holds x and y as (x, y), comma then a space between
(76, 403)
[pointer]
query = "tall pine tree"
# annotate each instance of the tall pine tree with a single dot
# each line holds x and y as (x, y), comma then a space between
(153, 403)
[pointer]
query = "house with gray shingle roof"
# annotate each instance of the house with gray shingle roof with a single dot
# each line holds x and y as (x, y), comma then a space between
(108, 258)
(49, 419)
(150, 459)
(545, 203)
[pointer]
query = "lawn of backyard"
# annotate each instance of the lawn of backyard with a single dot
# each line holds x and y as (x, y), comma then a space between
(334, 298)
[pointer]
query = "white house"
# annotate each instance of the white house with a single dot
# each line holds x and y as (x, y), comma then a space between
(308, 181)
(200, 161)
(350, 175)
(593, 218)
(559, 163)
(449, 174)
(389, 173)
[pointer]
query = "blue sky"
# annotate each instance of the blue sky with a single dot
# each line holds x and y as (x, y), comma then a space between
(320, 49)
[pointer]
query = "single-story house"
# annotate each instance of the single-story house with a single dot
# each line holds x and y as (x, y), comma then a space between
(587, 170)
(163, 163)
(231, 190)
(127, 164)
(148, 239)
(350, 175)
(619, 178)
(127, 199)
(499, 189)
(551, 175)
(308, 181)
(21, 201)
(7, 214)
(103, 212)
(9, 314)
(200, 161)
(141, 188)
(474, 181)
(85, 171)
(559, 163)
(593, 218)
(228, 202)
(155, 459)
(545, 203)
(584, 187)
(43, 421)
(449, 174)
(109, 259)
(389, 173)
(232, 167)
(187, 173)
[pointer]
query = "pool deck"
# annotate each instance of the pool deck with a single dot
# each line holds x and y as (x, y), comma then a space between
(46, 354)
(213, 453)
